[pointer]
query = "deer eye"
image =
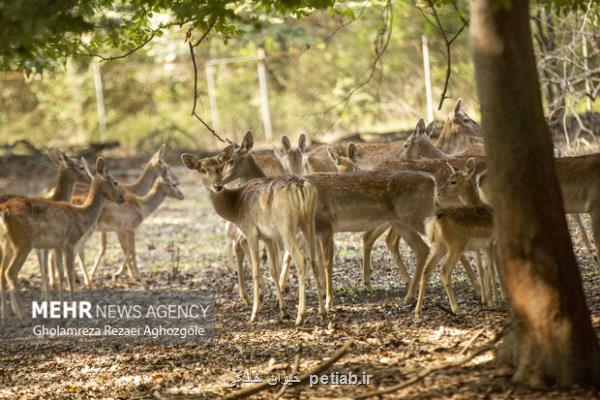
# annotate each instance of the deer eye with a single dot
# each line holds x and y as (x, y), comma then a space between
(202, 170)
(453, 182)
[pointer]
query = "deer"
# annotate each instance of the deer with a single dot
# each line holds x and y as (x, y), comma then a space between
(270, 165)
(70, 172)
(418, 145)
(26, 224)
(152, 170)
(401, 198)
(124, 219)
(578, 178)
(273, 210)
(458, 132)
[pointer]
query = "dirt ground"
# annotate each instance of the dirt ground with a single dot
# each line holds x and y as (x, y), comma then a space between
(182, 252)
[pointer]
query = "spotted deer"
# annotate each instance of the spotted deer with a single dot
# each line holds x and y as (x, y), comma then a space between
(70, 172)
(579, 179)
(454, 230)
(124, 219)
(27, 224)
(458, 132)
(418, 145)
(357, 202)
(273, 210)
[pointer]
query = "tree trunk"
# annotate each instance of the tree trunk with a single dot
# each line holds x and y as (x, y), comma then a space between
(553, 341)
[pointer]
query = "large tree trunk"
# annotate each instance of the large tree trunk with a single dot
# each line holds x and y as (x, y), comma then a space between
(553, 340)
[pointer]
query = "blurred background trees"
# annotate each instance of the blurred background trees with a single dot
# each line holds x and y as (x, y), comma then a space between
(313, 65)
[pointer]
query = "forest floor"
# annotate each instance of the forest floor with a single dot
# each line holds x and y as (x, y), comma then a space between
(182, 252)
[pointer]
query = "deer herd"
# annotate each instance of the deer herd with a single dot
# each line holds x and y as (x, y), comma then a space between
(434, 195)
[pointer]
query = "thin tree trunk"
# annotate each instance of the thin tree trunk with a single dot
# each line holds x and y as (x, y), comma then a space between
(553, 340)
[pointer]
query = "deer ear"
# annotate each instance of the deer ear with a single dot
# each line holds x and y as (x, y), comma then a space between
(302, 143)
(226, 153)
(247, 143)
(420, 129)
(351, 150)
(101, 166)
(285, 144)
(457, 106)
(86, 166)
(333, 155)
(189, 161)
(471, 166)
(430, 128)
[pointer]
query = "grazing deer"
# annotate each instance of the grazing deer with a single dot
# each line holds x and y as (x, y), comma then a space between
(70, 172)
(458, 132)
(357, 202)
(274, 210)
(124, 219)
(46, 224)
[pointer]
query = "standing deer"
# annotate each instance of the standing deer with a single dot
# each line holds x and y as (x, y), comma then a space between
(272, 210)
(124, 219)
(458, 132)
(358, 202)
(26, 224)
(70, 172)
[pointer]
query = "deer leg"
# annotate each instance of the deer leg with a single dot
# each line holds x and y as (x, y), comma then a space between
(292, 247)
(595, 216)
(133, 269)
(369, 239)
(584, 236)
(327, 250)
(437, 252)
(86, 276)
(122, 238)
(392, 240)
(481, 272)
(238, 252)
(58, 265)
(310, 239)
(255, 260)
(43, 263)
(421, 250)
(273, 259)
(446, 273)
(5, 258)
(11, 275)
(489, 251)
(70, 272)
(70, 267)
(101, 252)
(470, 274)
(283, 276)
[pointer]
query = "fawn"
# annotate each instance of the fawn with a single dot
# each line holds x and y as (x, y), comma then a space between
(454, 230)
(273, 210)
(46, 224)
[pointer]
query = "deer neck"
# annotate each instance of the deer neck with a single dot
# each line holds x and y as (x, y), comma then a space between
(144, 182)
(151, 201)
(471, 197)
(93, 204)
(63, 190)
(251, 170)
(226, 203)
(428, 150)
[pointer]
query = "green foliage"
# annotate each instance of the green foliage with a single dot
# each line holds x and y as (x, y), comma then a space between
(39, 34)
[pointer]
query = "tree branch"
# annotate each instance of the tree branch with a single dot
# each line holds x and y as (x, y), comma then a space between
(191, 46)
(448, 42)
